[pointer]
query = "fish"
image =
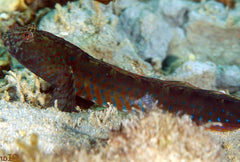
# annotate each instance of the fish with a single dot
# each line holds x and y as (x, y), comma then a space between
(106, 2)
(228, 3)
(74, 73)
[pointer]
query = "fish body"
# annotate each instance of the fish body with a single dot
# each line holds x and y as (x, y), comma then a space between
(228, 3)
(72, 72)
(106, 2)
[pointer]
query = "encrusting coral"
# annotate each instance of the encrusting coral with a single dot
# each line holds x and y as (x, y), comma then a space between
(156, 136)
(16, 86)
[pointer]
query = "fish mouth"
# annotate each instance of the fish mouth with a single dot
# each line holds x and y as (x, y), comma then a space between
(9, 42)
(5, 38)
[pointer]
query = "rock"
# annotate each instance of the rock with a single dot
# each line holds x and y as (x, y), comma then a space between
(56, 130)
(228, 77)
(11, 5)
(148, 31)
(211, 33)
(128, 59)
(174, 11)
(95, 33)
(202, 75)
(208, 42)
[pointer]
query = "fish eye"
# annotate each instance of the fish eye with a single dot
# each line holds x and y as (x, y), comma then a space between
(27, 35)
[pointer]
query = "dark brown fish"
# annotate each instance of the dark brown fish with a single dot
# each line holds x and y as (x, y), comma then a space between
(105, 1)
(72, 72)
(229, 3)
